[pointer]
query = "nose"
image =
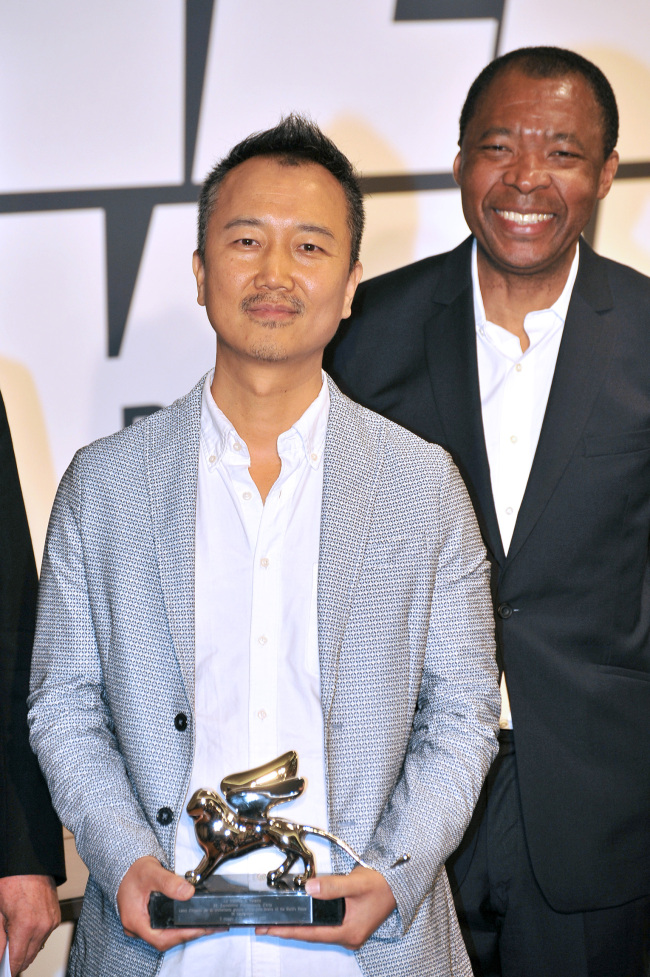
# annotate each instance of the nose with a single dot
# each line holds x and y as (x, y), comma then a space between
(527, 172)
(274, 269)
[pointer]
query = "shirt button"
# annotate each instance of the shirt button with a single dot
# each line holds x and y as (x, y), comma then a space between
(261, 714)
(509, 510)
(314, 456)
(212, 459)
(262, 639)
(514, 438)
(237, 446)
(518, 368)
(247, 496)
(264, 562)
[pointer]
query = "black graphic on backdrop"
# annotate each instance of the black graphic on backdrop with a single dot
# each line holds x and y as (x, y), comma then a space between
(129, 209)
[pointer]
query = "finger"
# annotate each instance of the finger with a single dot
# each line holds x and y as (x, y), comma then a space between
(23, 948)
(306, 934)
(162, 880)
(29, 954)
(17, 958)
(166, 939)
(175, 886)
(334, 886)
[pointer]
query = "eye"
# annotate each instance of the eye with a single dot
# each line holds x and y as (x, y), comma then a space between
(564, 154)
(309, 247)
(246, 242)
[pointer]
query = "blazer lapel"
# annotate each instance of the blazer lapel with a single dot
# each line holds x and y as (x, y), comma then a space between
(450, 342)
(583, 358)
(171, 467)
(350, 472)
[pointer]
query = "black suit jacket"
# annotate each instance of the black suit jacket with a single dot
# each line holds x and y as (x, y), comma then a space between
(31, 841)
(572, 598)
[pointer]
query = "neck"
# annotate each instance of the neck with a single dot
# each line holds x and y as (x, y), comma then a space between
(261, 401)
(509, 297)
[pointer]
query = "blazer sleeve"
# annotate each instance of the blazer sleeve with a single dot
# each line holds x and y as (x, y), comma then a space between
(72, 729)
(453, 736)
(31, 841)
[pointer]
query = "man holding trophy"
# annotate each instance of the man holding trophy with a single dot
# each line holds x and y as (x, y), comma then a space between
(266, 567)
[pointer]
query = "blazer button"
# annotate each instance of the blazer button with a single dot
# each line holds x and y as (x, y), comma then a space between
(180, 722)
(165, 815)
(504, 611)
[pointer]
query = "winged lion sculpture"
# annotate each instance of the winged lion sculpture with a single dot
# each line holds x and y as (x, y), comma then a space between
(240, 823)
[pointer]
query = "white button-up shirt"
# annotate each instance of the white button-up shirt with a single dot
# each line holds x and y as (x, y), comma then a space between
(514, 389)
(257, 677)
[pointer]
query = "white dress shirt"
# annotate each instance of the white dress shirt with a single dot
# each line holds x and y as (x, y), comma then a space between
(257, 678)
(514, 389)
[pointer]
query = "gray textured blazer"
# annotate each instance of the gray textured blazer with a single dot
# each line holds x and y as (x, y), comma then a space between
(409, 682)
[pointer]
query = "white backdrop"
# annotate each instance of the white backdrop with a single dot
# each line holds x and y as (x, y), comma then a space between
(112, 113)
(94, 104)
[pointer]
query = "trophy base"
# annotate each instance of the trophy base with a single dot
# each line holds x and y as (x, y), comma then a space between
(245, 900)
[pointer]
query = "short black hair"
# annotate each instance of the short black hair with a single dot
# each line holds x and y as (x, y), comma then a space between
(293, 141)
(548, 62)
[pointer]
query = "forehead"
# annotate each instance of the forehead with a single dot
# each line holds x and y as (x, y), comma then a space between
(565, 104)
(268, 188)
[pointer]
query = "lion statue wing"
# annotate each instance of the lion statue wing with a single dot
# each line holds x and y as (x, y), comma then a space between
(252, 793)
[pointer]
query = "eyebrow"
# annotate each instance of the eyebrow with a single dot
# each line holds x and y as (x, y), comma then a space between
(495, 131)
(566, 137)
(550, 137)
(256, 222)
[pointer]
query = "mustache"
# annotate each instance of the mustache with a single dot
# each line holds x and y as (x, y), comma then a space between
(252, 301)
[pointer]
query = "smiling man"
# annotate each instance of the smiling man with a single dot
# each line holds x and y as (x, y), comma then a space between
(528, 357)
(266, 566)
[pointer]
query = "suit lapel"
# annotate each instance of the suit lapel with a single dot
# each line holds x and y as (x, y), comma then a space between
(583, 358)
(450, 342)
(171, 465)
(350, 473)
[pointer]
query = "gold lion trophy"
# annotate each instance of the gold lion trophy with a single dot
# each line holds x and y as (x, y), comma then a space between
(240, 823)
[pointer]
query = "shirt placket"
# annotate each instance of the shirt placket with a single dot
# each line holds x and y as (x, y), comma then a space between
(265, 651)
(514, 445)
(266, 619)
(263, 645)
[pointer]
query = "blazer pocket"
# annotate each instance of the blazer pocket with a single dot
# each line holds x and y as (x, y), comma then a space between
(617, 444)
(406, 550)
(636, 674)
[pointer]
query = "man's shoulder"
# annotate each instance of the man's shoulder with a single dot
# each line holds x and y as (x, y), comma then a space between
(373, 434)
(415, 271)
(121, 451)
(597, 273)
(627, 276)
(420, 278)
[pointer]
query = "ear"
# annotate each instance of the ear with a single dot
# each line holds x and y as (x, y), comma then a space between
(199, 273)
(607, 174)
(457, 167)
(350, 288)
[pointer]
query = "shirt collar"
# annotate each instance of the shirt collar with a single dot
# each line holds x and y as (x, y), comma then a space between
(560, 307)
(309, 431)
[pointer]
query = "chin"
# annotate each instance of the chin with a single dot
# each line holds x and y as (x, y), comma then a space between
(269, 353)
